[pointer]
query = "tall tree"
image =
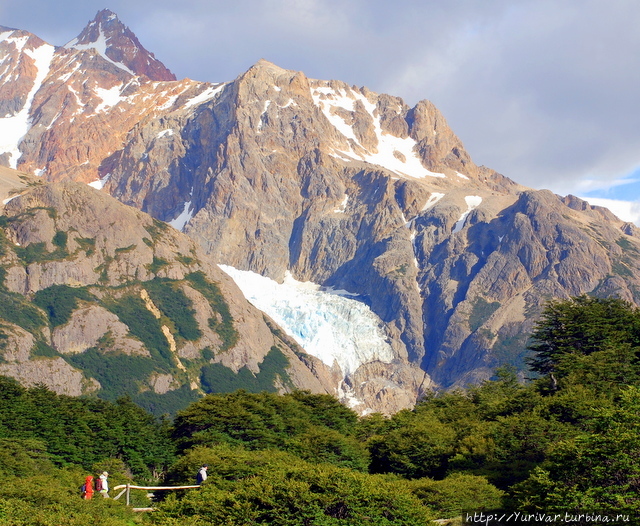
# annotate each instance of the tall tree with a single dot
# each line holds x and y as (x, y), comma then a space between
(587, 339)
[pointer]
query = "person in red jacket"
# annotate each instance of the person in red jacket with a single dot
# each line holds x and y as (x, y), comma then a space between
(87, 489)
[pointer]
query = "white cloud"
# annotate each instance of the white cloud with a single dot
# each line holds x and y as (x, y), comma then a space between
(625, 210)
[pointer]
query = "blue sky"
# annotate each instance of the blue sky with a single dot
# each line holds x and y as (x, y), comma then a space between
(544, 91)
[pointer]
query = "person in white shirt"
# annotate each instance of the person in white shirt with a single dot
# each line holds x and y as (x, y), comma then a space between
(104, 488)
(202, 474)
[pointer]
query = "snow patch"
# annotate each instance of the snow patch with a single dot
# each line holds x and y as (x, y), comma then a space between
(473, 201)
(343, 205)
(99, 184)
(19, 42)
(185, 216)
(110, 97)
(67, 76)
(267, 103)
(14, 128)
(5, 35)
(205, 96)
(170, 102)
(334, 328)
(100, 46)
(164, 133)
(433, 199)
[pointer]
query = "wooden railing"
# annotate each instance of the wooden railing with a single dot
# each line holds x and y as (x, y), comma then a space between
(126, 489)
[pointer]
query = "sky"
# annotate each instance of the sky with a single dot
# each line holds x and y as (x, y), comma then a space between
(546, 92)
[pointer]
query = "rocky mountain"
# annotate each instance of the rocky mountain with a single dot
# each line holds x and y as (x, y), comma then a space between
(99, 298)
(321, 185)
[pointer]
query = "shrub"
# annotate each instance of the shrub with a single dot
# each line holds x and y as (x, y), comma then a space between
(216, 378)
(14, 308)
(157, 264)
(54, 499)
(59, 302)
(87, 244)
(172, 301)
(119, 374)
(133, 312)
(457, 492)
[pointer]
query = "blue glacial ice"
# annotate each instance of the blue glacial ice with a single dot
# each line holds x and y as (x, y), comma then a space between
(330, 325)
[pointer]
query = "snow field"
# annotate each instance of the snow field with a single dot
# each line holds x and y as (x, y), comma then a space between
(396, 154)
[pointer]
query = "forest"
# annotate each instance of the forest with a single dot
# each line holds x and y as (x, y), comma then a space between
(566, 438)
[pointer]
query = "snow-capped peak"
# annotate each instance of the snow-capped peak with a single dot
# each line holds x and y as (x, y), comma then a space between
(117, 44)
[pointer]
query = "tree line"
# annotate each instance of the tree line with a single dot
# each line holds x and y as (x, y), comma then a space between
(568, 439)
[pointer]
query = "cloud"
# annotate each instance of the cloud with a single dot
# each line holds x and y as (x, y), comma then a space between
(626, 210)
(545, 92)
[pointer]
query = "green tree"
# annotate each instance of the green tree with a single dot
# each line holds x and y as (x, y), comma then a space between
(54, 498)
(420, 445)
(598, 470)
(317, 427)
(23, 457)
(587, 339)
(457, 492)
(83, 432)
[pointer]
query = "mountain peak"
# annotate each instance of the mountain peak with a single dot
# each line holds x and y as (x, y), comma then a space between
(116, 43)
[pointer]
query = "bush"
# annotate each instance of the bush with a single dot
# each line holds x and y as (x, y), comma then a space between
(54, 499)
(14, 308)
(216, 378)
(457, 492)
(23, 457)
(119, 374)
(420, 446)
(211, 292)
(59, 302)
(133, 312)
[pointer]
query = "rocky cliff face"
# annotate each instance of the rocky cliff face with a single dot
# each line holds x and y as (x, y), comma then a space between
(279, 174)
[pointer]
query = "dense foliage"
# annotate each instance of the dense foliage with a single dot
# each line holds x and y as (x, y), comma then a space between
(59, 301)
(567, 440)
(216, 378)
(590, 339)
(82, 432)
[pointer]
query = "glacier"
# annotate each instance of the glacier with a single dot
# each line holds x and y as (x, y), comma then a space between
(329, 324)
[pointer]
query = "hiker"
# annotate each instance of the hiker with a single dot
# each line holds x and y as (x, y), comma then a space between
(102, 485)
(87, 488)
(202, 474)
